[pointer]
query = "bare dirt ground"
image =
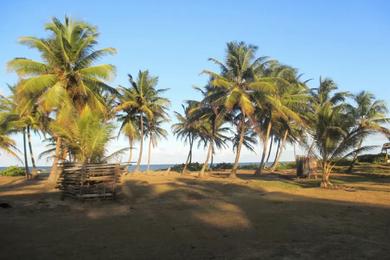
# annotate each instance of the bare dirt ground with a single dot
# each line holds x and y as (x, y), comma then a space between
(170, 216)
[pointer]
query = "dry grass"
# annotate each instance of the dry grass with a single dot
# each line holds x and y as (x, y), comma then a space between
(169, 216)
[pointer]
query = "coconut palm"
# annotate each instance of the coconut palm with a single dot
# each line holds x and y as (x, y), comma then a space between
(370, 114)
(7, 144)
(145, 100)
(243, 136)
(212, 117)
(85, 135)
(333, 128)
(154, 131)
(187, 128)
(66, 76)
(237, 80)
(281, 104)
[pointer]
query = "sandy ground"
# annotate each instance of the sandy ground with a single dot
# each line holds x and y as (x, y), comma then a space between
(170, 216)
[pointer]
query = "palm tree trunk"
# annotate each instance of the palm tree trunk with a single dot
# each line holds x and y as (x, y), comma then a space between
(201, 173)
(269, 150)
(30, 148)
(54, 171)
(277, 152)
(325, 183)
(280, 150)
(191, 145)
(131, 149)
(265, 149)
(130, 153)
(212, 159)
(233, 173)
(188, 160)
(137, 168)
(355, 156)
(149, 152)
(27, 170)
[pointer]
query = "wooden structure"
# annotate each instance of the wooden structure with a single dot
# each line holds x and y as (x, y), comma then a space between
(306, 166)
(89, 181)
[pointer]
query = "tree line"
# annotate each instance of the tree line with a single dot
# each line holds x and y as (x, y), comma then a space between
(250, 100)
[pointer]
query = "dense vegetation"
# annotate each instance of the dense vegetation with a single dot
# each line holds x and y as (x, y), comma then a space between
(251, 100)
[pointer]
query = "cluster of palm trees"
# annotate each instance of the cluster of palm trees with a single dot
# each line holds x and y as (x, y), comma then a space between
(255, 99)
(66, 98)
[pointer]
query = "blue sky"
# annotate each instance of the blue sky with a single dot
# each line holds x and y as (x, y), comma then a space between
(345, 40)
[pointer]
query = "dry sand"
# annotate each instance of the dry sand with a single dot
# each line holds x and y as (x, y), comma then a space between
(170, 216)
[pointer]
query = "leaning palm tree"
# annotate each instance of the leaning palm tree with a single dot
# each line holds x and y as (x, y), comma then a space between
(282, 103)
(212, 118)
(145, 100)
(66, 76)
(187, 128)
(370, 114)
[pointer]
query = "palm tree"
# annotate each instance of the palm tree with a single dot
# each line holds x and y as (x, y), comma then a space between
(212, 118)
(244, 136)
(129, 121)
(333, 128)
(85, 135)
(281, 104)
(145, 100)
(7, 144)
(154, 131)
(67, 75)
(370, 114)
(187, 128)
(237, 80)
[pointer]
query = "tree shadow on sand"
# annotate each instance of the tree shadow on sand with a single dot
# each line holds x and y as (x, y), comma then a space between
(188, 218)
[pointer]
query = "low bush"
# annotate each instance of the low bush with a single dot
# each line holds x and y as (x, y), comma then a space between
(286, 166)
(190, 167)
(12, 171)
(252, 166)
(372, 158)
(222, 166)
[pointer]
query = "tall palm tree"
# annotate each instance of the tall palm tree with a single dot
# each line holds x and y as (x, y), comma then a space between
(237, 80)
(187, 128)
(370, 114)
(281, 104)
(146, 101)
(66, 76)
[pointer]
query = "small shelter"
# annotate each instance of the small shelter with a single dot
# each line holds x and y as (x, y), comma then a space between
(306, 166)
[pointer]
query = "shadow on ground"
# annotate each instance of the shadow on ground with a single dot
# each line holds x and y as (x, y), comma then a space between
(188, 218)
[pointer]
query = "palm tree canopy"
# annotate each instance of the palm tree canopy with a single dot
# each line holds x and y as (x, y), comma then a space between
(67, 73)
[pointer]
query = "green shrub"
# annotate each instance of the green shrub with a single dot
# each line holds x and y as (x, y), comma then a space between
(286, 166)
(190, 167)
(12, 171)
(222, 166)
(372, 158)
(252, 166)
(343, 162)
